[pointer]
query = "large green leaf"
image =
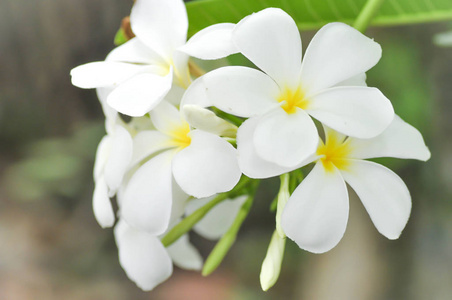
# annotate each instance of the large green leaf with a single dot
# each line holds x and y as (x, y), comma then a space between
(313, 14)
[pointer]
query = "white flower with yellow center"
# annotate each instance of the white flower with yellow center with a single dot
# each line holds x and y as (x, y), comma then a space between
(201, 163)
(280, 100)
(316, 214)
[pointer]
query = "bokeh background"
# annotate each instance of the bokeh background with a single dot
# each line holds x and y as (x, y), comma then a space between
(52, 248)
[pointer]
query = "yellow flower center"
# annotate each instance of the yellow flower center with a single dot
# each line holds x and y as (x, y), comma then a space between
(293, 99)
(180, 135)
(334, 152)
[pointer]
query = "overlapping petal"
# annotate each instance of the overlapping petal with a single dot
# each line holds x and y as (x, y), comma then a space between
(384, 195)
(336, 53)
(250, 163)
(285, 139)
(147, 200)
(103, 210)
(270, 39)
(213, 42)
(316, 215)
(161, 25)
(142, 256)
(399, 140)
(206, 167)
(185, 255)
(360, 112)
(146, 143)
(241, 91)
(165, 117)
(134, 51)
(138, 95)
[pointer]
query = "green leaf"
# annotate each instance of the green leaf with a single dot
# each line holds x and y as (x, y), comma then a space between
(120, 37)
(313, 14)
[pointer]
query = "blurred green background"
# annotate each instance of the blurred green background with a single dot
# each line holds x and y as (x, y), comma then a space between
(52, 248)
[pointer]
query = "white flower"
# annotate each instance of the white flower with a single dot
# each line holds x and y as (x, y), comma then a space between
(201, 163)
(144, 68)
(148, 263)
(279, 101)
(113, 157)
(316, 215)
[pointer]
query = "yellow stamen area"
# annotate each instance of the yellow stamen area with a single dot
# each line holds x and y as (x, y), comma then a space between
(293, 99)
(334, 152)
(180, 135)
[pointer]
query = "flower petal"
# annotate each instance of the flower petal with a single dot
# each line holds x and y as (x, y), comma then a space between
(360, 112)
(316, 215)
(336, 53)
(134, 51)
(206, 167)
(285, 139)
(140, 94)
(147, 199)
(241, 91)
(142, 256)
(357, 80)
(185, 255)
(196, 94)
(102, 154)
(146, 143)
(103, 74)
(250, 163)
(103, 210)
(119, 157)
(213, 42)
(165, 117)
(206, 120)
(219, 219)
(384, 195)
(270, 39)
(399, 140)
(161, 25)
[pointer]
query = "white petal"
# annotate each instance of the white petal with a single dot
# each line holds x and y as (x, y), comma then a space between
(285, 139)
(161, 25)
(241, 91)
(142, 256)
(384, 195)
(316, 215)
(206, 120)
(146, 143)
(134, 51)
(147, 200)
(175, 94)
(119, 158)
(166, 117)
(180, 199)
(219, 219)
(196, 94)
(102, 154)
(358, 80)
(360, 112)
(336, 53)
(185, 255)
(181, 71)
(399, 140)
(206, 167)
(140, 94)
(103, 74)
(213, 42)
(270, 39)
(250, 163)
(103, 210)
(111, 115)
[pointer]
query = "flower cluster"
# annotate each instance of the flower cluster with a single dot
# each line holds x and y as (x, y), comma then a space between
(182, 154)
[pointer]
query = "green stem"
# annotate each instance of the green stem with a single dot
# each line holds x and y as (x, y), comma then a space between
(367, 13)
(187, 223)
(227, 240)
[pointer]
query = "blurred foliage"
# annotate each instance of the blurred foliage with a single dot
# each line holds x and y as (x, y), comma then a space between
(54, 166)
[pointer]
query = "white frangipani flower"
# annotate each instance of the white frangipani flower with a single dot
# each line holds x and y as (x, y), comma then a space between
(201, 163)
(316, 215)
(143, 69)
(279, 101)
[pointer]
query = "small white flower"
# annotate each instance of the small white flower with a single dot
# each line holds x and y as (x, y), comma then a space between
(201, 163)
(143, 69)
(316, 215)
(279, 101)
